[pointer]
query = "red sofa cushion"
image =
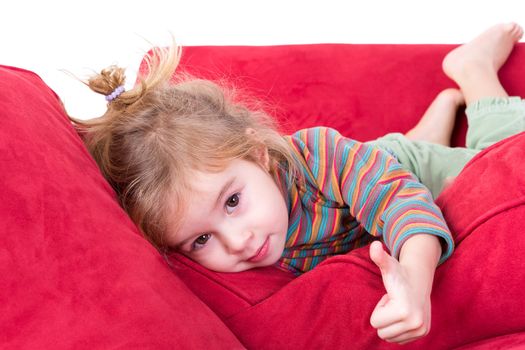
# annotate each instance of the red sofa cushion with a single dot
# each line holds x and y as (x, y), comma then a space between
(366, 91)
(76, 274)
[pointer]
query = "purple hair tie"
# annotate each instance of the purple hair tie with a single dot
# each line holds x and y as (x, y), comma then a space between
(116, 93)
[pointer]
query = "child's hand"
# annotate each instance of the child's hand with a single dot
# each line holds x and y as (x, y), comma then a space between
(403, 313)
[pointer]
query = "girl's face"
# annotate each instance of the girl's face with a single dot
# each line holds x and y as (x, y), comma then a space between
(235, 221)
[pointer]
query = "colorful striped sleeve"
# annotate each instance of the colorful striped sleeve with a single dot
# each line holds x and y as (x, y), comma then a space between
(388, 201)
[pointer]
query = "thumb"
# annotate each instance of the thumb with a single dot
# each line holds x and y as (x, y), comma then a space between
(380, 257)
(386, 263)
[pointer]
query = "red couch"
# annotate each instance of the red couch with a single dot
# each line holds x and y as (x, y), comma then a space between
(75, 273)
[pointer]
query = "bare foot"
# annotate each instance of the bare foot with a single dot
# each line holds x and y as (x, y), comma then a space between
(474, 66)
(437, 123)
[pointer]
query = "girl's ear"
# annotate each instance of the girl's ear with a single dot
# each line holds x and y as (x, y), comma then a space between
(263, 157)
(261, 152)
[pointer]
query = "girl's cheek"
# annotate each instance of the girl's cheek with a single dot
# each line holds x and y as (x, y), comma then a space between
(212, 250)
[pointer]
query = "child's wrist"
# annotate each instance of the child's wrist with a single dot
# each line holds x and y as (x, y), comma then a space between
(419, 257)
(421, 249)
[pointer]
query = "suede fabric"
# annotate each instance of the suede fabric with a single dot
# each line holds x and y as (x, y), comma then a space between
(364, 91)
(75, 273)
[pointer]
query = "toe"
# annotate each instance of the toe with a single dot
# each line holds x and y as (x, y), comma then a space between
(515, 30)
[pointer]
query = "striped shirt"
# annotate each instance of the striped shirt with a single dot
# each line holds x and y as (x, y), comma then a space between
(352, 193)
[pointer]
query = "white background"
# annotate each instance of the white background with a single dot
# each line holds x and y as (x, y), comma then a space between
(85, 36)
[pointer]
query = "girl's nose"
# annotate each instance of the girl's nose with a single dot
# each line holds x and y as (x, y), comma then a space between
(236, 242)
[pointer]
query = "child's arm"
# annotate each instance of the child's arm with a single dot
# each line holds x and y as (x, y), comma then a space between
(389, 202)
(403, 314)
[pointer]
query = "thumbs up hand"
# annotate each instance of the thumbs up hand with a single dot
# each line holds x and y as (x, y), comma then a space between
(403, 313)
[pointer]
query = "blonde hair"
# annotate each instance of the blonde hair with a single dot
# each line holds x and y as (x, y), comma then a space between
(153, 136)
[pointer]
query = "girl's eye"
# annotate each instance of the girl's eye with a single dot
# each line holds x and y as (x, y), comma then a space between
(200, 241)
(232, 202)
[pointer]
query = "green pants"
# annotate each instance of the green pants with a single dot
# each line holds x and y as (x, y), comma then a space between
(489, 121)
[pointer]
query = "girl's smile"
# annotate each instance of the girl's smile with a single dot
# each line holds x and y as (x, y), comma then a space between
(261, 252)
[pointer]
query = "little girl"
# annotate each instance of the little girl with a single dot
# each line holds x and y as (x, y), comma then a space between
(204, 175)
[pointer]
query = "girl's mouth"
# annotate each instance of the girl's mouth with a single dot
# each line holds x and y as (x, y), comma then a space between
(262, 252)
